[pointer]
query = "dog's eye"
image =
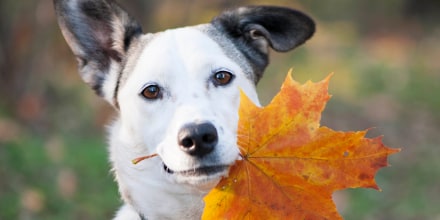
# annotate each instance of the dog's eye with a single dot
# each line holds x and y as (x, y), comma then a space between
(222, 78)
(151, 92)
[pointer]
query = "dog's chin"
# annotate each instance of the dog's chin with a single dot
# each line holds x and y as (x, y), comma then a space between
(202, 178)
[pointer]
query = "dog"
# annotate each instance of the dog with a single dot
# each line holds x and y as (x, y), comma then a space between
(176, 94)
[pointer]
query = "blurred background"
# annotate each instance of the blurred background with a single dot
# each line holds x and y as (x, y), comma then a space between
(386, 60)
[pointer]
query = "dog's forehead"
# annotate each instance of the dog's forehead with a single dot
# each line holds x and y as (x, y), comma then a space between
(188, 47)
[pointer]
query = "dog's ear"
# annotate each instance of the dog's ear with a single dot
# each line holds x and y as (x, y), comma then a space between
(99, 32)
(254, 29)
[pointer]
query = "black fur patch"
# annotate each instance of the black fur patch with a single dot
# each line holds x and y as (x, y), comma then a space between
(283, 29)
(90, 24)
(131, 29)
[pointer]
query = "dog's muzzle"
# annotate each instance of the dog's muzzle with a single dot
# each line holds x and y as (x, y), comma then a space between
(200, 167)
(198, 141)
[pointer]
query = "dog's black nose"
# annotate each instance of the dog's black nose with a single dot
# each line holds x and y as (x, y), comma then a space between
(197, 139)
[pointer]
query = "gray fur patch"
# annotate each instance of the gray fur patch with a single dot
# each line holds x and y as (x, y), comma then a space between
(231, 50)
(131, 59)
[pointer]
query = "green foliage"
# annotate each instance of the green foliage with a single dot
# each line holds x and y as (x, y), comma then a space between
(63, 180)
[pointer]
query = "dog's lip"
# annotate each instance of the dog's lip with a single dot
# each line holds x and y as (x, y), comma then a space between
(200, 171)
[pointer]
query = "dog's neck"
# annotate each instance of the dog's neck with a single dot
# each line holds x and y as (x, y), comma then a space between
(170, 206)
(152, 202)
(162, 210)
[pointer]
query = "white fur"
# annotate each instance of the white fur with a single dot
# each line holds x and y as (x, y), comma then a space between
(181, 61)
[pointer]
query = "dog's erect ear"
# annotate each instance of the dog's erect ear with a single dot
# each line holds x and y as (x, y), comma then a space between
(256, 28)
(99, 33)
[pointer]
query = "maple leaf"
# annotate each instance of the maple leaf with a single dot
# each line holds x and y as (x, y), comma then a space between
(290, 165)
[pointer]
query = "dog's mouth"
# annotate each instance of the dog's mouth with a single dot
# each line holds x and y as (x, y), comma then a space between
(201, 171)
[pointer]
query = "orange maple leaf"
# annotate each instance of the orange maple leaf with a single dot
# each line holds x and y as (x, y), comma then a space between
(290, 165)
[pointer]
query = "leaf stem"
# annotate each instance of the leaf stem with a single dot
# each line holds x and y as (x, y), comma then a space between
(139, 159)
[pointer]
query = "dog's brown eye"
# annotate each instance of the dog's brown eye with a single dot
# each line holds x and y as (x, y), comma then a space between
(222, 78)
(151, 92)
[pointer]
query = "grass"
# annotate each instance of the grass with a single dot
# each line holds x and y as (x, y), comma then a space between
(75, 184)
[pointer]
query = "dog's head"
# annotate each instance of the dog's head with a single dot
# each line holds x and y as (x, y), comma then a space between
(177, 91)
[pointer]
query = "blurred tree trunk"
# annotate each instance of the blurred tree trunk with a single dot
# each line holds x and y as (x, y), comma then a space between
(15, 37)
